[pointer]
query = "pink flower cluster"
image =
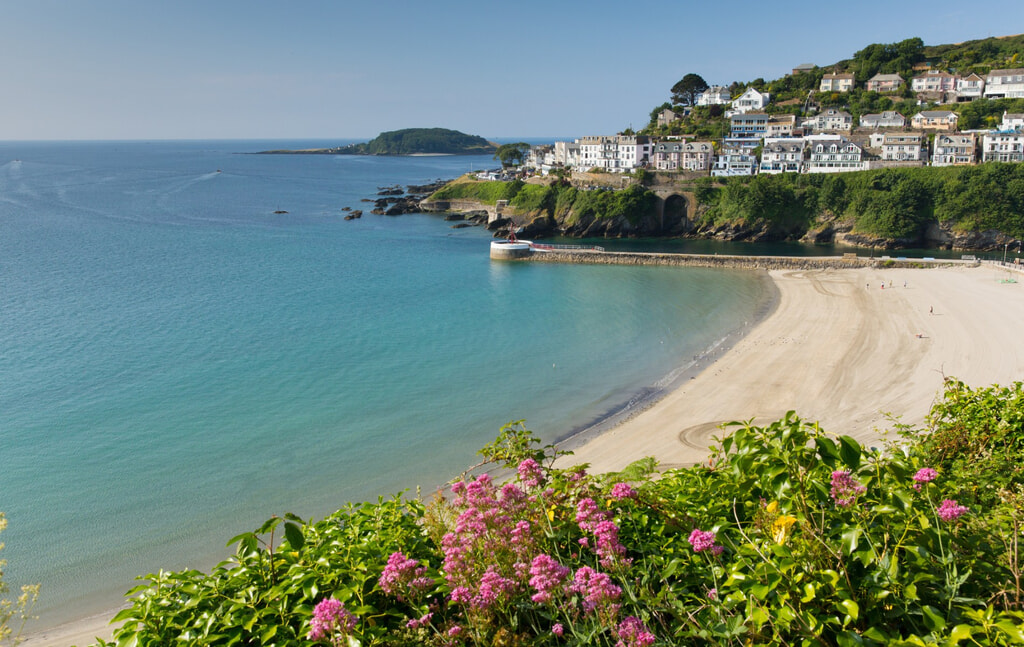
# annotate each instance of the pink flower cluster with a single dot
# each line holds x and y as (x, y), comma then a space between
(633, 633)
(331, 621)
(490, 531)
(949, 510)
(623, 491)
(702, 540)
(598, 591)
(606, 534)
(403, 577)
(845, 488)
(546, 577)
(531, 474)
(924, 475)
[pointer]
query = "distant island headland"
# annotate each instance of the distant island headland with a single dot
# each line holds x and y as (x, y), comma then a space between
(408, 141)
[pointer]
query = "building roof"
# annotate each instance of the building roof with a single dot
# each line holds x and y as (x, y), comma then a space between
(886, 77)
(805, 66)
(838, 76)
(1017, 71)
(936, 114)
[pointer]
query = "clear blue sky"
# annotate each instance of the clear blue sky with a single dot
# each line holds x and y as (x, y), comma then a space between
(213, 69)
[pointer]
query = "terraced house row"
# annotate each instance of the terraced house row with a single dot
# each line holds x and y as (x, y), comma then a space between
(826, 143)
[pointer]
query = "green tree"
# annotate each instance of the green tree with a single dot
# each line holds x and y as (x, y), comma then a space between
(512, 154)
(14, 611)
(685, 92)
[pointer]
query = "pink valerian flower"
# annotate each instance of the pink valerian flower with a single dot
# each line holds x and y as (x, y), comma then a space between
(923, 476)
(949, 510)
(632, 633)
(608, 548)
(546, 577)
(588, 514)
(404, 576)
(558, 629)
(712, 594)
(597, 589)
(530, 473)
(454, 631)
(416, 623)
(702, 540)
(623, 491)
(331, 621)
(845, 488)
(493, 589)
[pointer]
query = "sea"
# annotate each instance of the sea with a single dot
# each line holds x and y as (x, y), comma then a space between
(193, 339)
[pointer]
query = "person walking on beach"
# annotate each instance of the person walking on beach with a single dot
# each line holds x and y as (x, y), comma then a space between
(931, 310)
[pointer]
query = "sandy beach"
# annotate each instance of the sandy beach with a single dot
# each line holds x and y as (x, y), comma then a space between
(838, 349)
(842, 351)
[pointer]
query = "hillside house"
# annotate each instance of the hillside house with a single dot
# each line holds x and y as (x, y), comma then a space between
(782, 126)
(1012, 121)
(887, 119)
(716, 95)
(884, 83)
(804, 67)
(615, 153)
(784, 155)
(836, 83)
(732, 163)
(665, 117)
(750, 101)
(935, 120)
(1005, 84)
(668, 155)
(1003, 147)
(697, 156)
(953, 149)
(743, 126)
(934, 81)
(904, 147)
(832, 120)
(970, 87)
(833, 154)
(567, 153)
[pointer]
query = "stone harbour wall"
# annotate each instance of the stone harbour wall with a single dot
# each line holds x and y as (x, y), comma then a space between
(743, 262)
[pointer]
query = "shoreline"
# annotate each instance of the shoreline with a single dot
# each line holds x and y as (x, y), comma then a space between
(829, 344)
(838, 350)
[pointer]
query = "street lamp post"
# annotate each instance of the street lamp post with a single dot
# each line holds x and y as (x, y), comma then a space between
(1005, 246)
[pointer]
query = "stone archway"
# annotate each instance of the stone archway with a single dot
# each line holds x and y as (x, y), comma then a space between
(675, 214)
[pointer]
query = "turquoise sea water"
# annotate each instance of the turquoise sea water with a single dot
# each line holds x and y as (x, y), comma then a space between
(178, 363)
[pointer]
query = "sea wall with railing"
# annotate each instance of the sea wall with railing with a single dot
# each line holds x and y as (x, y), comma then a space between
(590, 256)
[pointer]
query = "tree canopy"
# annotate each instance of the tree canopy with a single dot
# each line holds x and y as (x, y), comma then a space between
(512, 154)
(686, 91)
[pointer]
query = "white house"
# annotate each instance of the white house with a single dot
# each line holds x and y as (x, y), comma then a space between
(1012, 121)
(716, 95)
(731, 163)
(954, 149)
(750, 101)
(830, 120)
(833, 154)
(782, 155)
(567, 153)
(1003, 147)
(887, 119)
(782, 126)
(970, 87)
(614, 153)
(1007, 84)
(904, 147)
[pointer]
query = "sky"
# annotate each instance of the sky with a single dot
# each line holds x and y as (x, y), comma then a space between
(319, 69)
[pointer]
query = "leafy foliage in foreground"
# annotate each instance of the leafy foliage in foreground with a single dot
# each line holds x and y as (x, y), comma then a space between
(787, 536)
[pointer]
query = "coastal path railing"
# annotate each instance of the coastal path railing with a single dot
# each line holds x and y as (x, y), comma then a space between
(546, 247)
